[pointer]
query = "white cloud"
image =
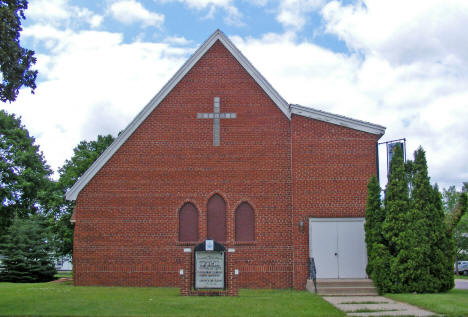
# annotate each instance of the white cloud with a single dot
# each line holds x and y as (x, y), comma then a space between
(91, 83)
(94, 20)
(415, 71)
(48, 10)
(408, 74)
(202, 4)
(426, 102)
(177, 40)
(233, 15)
(403, 31)
(292, 14)
(132, 11)
(61, 12)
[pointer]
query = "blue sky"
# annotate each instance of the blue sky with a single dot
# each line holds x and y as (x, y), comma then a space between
(195, 22)
(401, 64)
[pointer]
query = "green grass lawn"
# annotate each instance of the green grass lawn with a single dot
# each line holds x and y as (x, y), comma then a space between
(64, 299)
(463, 277)
(453, 303)
(67, 274)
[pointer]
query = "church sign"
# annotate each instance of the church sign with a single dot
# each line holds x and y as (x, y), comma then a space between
(210, 265)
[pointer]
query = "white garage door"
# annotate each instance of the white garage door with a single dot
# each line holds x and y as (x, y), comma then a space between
(338, 247)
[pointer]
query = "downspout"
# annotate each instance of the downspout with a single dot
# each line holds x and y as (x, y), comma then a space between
(377, 161)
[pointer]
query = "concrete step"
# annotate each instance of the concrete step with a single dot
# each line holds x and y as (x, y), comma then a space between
(345, 282)
(351, 291)
(340, 287)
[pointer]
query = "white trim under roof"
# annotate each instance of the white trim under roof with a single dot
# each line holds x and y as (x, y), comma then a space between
(337, 119)
(287, 109)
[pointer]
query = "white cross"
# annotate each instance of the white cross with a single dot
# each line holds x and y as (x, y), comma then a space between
(216, 115)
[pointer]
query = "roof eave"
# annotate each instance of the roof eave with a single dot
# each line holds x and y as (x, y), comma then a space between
(337, 119)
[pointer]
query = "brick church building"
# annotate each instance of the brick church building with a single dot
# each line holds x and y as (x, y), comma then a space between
(219, 154)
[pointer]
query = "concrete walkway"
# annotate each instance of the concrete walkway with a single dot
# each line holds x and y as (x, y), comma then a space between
(461, 284)
(375, 306)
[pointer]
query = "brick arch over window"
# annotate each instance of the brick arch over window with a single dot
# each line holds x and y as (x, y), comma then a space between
(216, 218)
(245, 222)
(188, 223)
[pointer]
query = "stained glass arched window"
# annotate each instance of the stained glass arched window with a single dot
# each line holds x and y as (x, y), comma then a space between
(245, 223)
(188, 223)
(216, 218)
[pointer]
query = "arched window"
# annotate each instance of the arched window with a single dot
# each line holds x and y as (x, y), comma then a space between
(245, 223)
(188, 223)
(216, 218)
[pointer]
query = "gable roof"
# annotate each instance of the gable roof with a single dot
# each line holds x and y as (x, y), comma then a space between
(287, 109)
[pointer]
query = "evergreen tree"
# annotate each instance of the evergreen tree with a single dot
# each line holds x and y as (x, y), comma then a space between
(443, 249)
(416, 251)
(374, 219)
(27, 253)
(396, 203)
(427, 224)
(395, 226)
(381, 273)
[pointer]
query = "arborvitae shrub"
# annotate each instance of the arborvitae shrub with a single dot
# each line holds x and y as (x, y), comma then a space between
(415, 253)
(374, 219)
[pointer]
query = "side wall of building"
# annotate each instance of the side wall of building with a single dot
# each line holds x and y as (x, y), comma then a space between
(126, 230)
(331, 168)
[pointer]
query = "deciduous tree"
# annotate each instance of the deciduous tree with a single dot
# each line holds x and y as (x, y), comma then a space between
(24, 174)
(450, 198)
(15, 61)
(85, 153)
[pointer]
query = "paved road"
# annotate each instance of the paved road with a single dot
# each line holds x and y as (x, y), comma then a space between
(461, 284)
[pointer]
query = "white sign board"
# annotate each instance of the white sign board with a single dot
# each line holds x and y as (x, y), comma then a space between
(209, 269)
(209, 245)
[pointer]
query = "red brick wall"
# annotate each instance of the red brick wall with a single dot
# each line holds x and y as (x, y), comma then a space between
(126, 230)
(331, 167)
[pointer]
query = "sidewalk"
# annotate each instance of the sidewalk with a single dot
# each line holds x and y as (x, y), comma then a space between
(461, 283)
(375, 306)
